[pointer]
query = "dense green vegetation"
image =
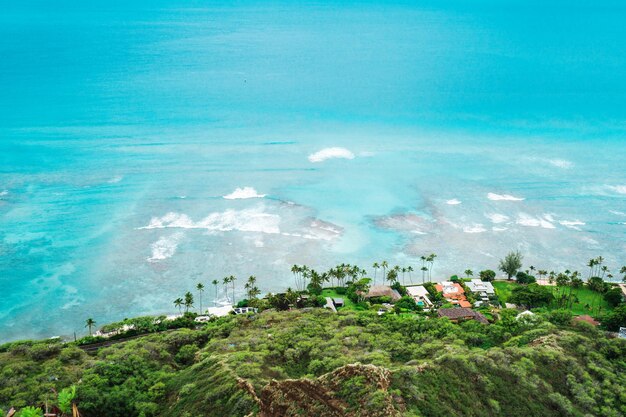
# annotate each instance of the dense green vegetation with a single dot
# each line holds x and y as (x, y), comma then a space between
(295, 360)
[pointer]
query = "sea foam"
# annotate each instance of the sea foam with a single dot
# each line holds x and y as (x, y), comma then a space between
(330, 153)
(453, 202)
(165, 247)
(620, 189)
(497, 218)
(561, 163)
(530, 221)
(249, 220)
(4, 193)
(572, 224)
(503, 197)
(243, 193)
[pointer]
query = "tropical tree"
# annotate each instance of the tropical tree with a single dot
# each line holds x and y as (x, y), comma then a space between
(431, 261)
(65, 398)
(188, 301)
(200, 288)
(215, 284)
(384, 265)
(469, 273)
(409, 269)
(511, 263)
(90, 323)
(487, 275)
(376, 266)
(392, 276)
(423, 268)
(251, 290)
(178, 303)
(623, 272)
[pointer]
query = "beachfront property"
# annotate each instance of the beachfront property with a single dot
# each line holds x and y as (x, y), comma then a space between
(420, 294)
(482, 289)
(453, 293)
(383, 291)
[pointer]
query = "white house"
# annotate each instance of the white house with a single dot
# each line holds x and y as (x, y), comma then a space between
(481, 288)
(420, 295)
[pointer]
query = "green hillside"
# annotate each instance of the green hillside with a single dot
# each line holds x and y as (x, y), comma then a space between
(315, 362)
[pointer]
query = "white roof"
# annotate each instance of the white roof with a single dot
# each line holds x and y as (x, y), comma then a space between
(477, 285)
(417, 291)
(219, 311)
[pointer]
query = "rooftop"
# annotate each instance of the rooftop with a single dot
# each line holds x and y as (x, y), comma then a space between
(383, 291)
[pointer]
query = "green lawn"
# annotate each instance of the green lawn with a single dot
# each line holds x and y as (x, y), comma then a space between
(503, 289)
(348, 304)
(583, 299)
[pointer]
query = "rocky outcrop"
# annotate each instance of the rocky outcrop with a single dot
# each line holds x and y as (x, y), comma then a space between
(352, 390)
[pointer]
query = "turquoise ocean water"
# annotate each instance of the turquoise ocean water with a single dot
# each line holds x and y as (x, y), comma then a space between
(461, 128)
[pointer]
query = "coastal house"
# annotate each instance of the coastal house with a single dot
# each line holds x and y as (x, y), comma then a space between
(622, 333)
(420, 294)
(456, 314)
(383, 291)
(482, 289)
(453, 293)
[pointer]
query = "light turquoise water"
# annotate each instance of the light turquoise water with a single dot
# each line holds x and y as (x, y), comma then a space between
(122, 128)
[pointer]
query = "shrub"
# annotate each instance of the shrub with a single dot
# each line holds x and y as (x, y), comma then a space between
(487, 275)
(614, 296)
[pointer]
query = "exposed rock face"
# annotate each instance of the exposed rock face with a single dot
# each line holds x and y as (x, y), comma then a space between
(352, 390)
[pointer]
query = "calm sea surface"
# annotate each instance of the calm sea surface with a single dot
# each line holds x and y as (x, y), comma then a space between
(355, 132)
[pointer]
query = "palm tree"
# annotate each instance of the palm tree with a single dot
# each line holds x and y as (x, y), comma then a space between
(215, 284)
(200, 288)
(232, 281)
(188, 301)
(90, 323)
(431, 259)
(469, 273)
(384, 265)
(604, 270)
(226, 281)
(409, 269)
(403, 275)
(623, 272)
(375, 266)
(424, 269)
(179, 304)
(250, 287)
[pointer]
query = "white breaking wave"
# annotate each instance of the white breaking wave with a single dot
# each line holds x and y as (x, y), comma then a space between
(4, 193)
(165, 247)
(618, 213)
(573, 224)
(453, 202)
(476, 228)
(530, 221)
(497, 218)
(499, 229)
(249, 220)
(621, 189)
(503, 197)
(330, 153)
(242, 193)
(115, 179)
(561, 163)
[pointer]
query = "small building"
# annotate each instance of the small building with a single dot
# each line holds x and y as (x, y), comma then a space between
(420, 294)
(245, 310)
(338, 302)
(622, 333)
(453, 293)
(456, 314)
(482, 289)
(383, 291)
(202, 319)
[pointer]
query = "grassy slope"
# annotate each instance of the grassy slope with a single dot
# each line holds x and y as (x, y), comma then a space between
(348, 304)
(584, 295)
(437, 368)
